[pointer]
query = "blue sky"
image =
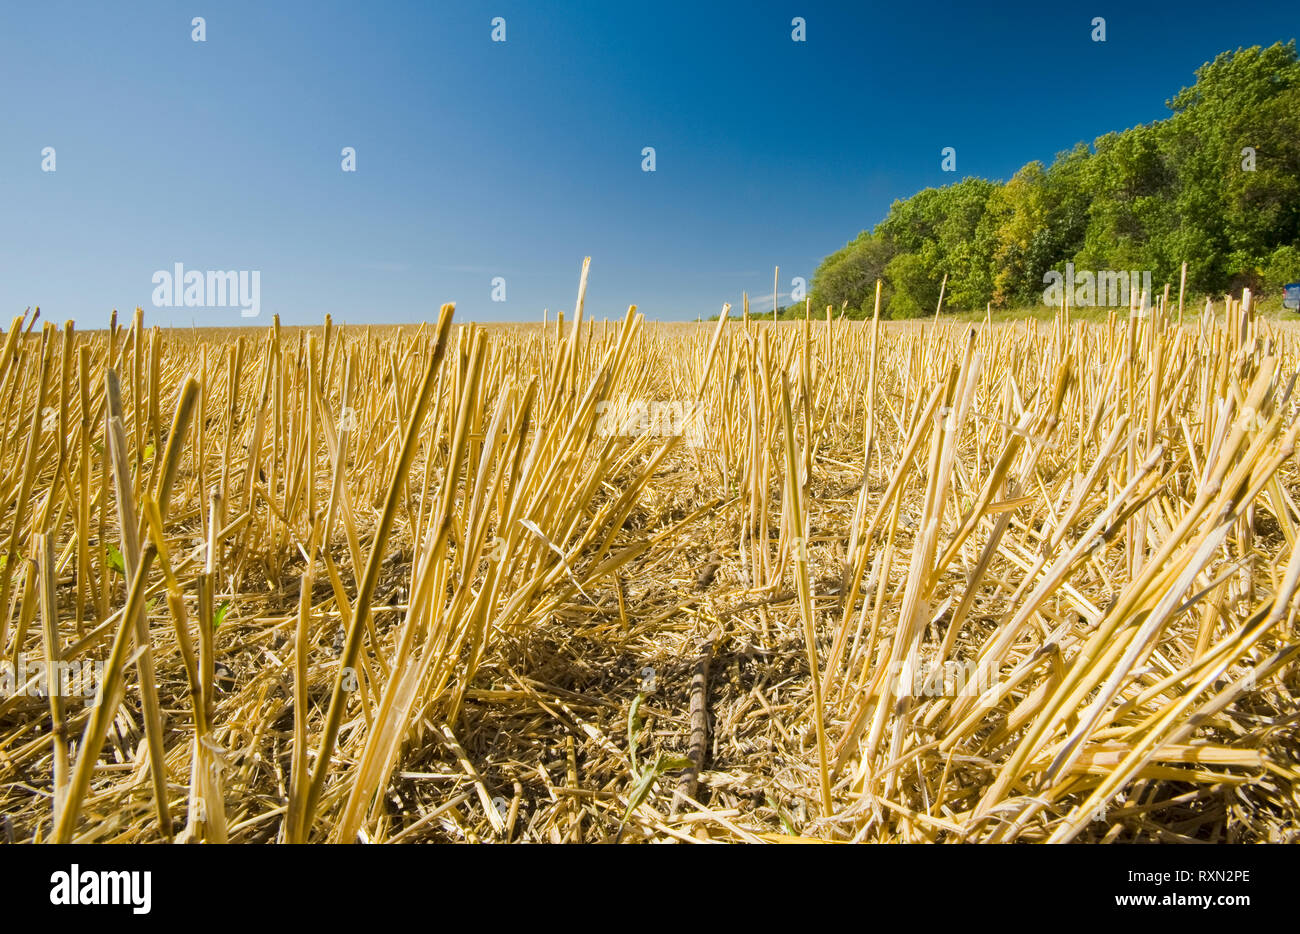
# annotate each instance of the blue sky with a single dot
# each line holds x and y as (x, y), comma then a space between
(477, 159)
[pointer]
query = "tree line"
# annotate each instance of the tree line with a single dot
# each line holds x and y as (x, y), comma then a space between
(1216, 185)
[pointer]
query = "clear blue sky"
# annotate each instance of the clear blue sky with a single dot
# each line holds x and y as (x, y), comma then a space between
(478, 159)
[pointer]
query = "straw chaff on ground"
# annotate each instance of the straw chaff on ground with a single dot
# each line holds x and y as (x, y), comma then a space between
(992, 583)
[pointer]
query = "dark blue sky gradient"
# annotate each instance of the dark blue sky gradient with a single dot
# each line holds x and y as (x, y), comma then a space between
(478, 159)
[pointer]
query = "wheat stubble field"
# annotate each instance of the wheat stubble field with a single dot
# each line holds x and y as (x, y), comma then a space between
(1028, 581)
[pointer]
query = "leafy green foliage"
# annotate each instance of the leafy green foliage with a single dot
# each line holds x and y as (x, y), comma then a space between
(1216, 185)
(849, 276)
(643, 779)
(115, 559)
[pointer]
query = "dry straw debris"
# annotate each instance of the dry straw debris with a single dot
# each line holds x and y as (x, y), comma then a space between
(924, 582)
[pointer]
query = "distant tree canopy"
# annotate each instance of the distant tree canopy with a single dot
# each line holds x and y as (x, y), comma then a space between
(1215, 185)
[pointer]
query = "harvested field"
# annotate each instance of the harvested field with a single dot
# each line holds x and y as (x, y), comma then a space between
(601, 581)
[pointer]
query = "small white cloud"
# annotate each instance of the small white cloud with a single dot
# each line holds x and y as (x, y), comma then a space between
(761, 302)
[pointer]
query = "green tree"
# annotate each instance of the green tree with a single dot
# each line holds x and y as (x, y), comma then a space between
(1216, 185)
(1131, 213)
(944, 228)
(1235, 142)
(849, 275)
(915, 291)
